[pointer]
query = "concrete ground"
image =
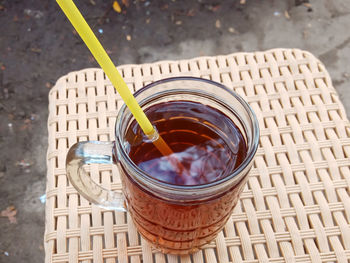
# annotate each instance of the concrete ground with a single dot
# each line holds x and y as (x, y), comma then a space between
(37, 46)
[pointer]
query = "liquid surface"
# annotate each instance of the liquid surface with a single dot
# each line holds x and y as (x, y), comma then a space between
(207, 145)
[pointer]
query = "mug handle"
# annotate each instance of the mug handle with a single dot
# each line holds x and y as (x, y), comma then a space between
(90, 152)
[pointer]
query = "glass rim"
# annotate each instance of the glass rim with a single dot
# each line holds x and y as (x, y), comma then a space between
(149, 179)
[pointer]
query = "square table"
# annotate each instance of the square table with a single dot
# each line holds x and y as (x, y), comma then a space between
(295, 206)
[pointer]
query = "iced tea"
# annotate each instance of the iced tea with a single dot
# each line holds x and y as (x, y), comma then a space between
(209, 147)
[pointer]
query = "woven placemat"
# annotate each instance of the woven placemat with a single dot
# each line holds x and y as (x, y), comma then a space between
(296, 205)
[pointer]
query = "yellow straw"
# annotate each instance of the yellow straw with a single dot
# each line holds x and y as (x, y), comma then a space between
(85, 32)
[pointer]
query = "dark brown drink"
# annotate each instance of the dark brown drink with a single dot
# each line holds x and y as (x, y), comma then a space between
(208, 146)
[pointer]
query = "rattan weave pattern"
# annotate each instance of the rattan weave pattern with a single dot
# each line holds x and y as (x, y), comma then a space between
(296, 205)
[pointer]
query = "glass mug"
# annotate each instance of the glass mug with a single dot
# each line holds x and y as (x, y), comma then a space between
(177, 219)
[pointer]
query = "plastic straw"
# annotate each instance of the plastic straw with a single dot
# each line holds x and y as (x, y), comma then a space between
(89, 38)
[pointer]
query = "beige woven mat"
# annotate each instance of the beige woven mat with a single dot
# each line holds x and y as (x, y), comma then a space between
(296, 205)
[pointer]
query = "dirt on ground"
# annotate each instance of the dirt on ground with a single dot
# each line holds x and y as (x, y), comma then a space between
(38, 45)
